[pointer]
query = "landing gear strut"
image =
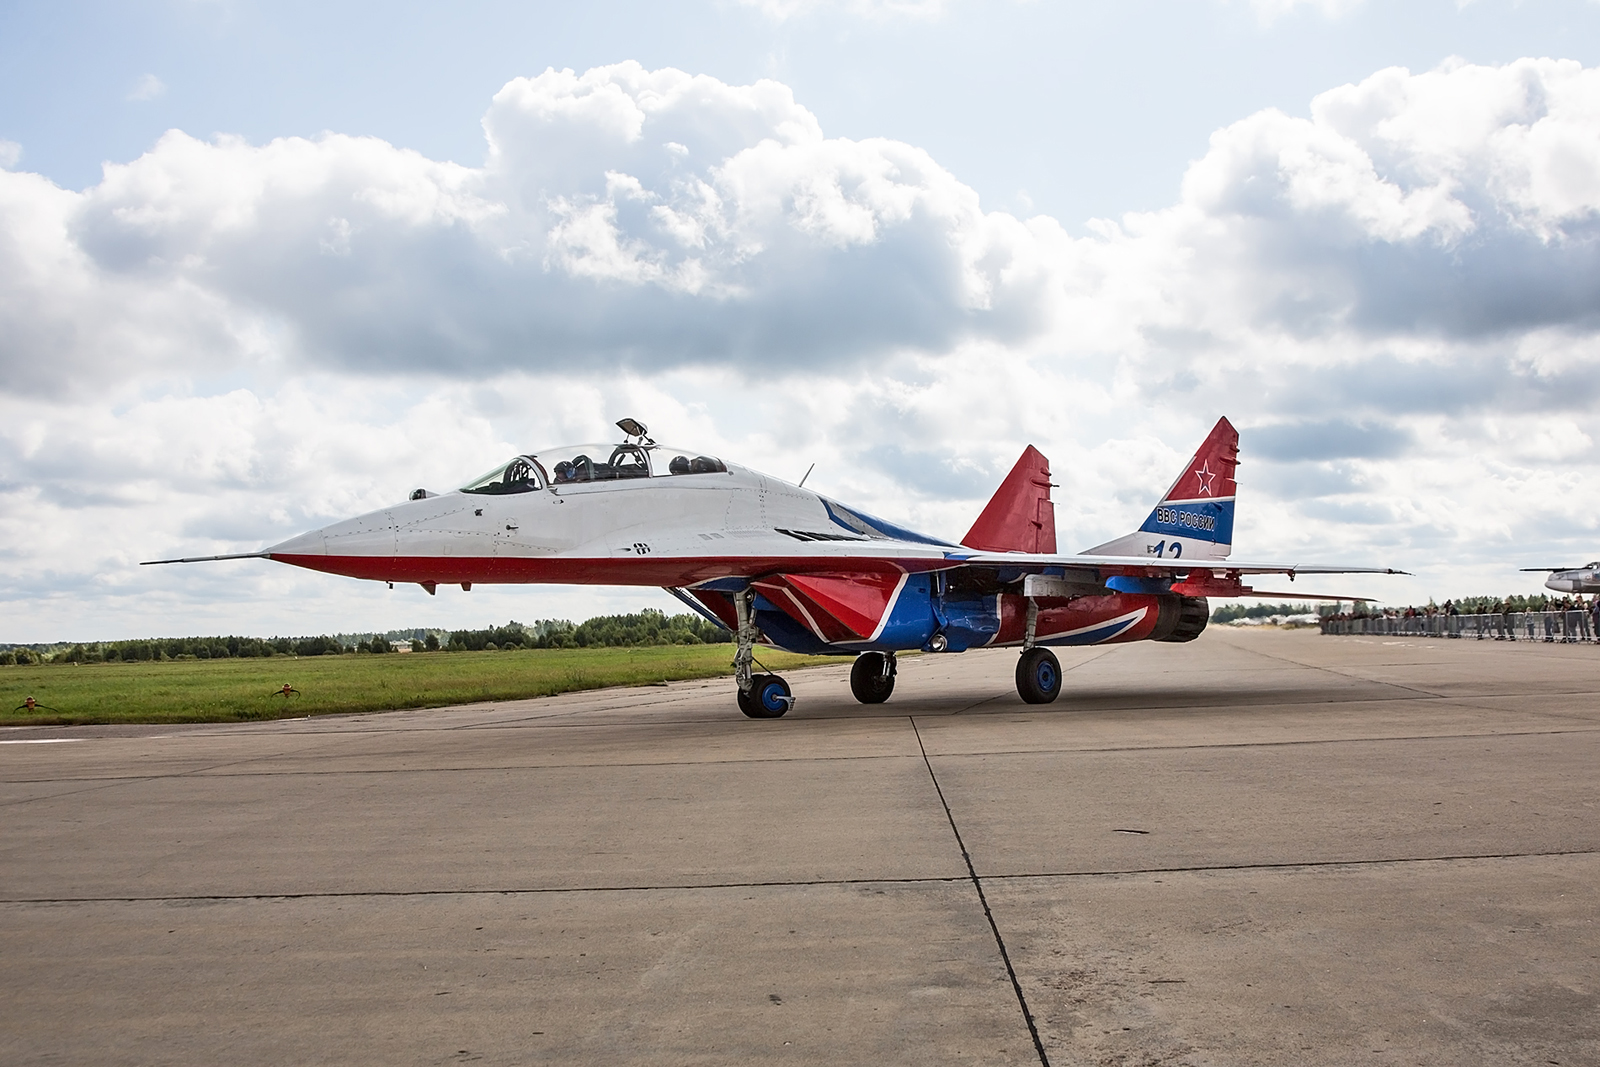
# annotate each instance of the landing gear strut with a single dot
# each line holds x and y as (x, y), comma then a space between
(872, 677)
(761, 696)
(1038, 671)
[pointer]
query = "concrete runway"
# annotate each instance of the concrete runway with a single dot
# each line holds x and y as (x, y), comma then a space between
(1259, 848)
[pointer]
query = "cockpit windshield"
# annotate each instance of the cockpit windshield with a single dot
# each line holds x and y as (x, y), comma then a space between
(521, 475)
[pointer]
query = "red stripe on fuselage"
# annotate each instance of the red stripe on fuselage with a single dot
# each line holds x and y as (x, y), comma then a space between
(854, 603)
(623, 570)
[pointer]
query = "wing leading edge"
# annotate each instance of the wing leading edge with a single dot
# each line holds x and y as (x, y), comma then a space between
(1139, 565)
(1133, 574)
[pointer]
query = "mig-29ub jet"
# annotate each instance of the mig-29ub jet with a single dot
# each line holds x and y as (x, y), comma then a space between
(778, 564)
(1584, 579)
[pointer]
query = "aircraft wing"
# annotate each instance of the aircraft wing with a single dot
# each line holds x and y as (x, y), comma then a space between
(1065, 576)
(1149, 566)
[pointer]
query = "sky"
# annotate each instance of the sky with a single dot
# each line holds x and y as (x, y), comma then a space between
(263, 267)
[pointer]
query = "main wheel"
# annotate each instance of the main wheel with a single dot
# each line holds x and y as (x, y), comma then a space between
(768, 698)
(870, 678)
(1038, 676)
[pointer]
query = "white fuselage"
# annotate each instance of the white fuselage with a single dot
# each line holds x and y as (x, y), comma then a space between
(655, 530)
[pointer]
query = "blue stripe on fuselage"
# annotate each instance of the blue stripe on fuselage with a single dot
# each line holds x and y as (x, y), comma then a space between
(1093, 635)
(862, 523)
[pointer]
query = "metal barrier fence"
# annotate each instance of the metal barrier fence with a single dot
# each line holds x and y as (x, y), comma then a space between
(1566, 627)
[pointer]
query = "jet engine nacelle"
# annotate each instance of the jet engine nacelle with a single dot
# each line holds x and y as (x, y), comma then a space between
(1183, 618)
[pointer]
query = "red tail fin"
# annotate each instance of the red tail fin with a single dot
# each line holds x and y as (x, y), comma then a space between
(1020, 517)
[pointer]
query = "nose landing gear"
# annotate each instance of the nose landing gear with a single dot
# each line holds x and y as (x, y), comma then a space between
(761, 696)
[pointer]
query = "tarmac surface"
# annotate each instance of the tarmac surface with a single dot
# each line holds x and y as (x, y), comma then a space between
(1259, 848)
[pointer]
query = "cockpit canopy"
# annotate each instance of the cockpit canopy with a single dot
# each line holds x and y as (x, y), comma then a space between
(598, 463)
(576, 464)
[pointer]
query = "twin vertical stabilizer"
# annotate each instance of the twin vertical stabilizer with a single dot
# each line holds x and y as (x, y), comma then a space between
(1020, 516)
(1195, 518)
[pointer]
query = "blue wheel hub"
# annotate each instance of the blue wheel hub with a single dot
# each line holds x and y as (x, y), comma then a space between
(1045, 674)
(772, 697)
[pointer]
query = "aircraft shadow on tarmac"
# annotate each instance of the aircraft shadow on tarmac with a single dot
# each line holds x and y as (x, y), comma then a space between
(1105, 699)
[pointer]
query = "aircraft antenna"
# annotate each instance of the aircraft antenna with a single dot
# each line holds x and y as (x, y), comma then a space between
(807, 475)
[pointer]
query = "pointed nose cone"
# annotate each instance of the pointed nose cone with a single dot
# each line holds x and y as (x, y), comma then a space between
(312, 543)
(362, 547)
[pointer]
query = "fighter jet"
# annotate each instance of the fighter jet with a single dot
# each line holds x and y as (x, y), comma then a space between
(783, 566)
(1584, 579)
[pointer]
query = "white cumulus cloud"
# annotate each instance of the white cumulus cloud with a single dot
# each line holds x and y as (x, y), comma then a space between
(148, 87)
(646, 218)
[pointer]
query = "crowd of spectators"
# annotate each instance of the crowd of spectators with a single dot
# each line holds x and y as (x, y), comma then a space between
(1549, 618)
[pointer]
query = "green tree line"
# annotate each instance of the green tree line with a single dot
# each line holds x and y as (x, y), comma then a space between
(170, 648)
(648, 627)
(1230, 612)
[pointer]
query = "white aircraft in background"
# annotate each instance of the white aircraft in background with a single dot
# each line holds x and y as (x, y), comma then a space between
(778, 564)
(1584, 579)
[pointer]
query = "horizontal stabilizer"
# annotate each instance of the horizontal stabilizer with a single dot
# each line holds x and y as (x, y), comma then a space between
(1313, 596)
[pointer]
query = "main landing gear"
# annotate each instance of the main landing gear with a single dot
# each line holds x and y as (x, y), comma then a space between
(1038, 676)
(1038, 671)
(761, 696)
(872, 677)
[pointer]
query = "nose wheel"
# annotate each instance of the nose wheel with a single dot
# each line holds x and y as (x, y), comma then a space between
(1038, 676)
(767, 698)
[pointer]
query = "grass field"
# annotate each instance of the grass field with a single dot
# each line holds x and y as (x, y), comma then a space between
(233, 690)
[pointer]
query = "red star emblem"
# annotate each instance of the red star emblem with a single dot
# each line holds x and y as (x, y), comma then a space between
(1204, 473)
